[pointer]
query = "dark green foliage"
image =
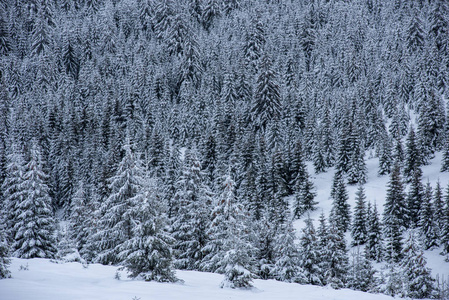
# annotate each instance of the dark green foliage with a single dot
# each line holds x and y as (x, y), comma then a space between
(4, 253)
(374, 228)
(340, 213)
(359, 228)
(427, 222)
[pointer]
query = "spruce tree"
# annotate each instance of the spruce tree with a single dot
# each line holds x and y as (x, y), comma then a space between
(340, 212)
(4, 253)
(444, 237)
(193, 200)
(322, 234)
(236, 262)
(35, 224)
(418, 284)
(438, 209)
(287, 266)
(336, 257)
(426, 222)
(361, 272)
(310, 257)
(395, 209)
(304, 198)
(359, 223)
(119, 209)
(414, 200)
(413, 161)
(13, 191)
(374, 243)
(147, 254)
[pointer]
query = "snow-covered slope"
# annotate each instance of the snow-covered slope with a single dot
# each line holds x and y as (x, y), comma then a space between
(45, 280)
(376, 190)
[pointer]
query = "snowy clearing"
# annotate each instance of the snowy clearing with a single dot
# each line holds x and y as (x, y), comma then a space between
(45, 280)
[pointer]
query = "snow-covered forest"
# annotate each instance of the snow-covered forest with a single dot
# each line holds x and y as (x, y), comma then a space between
(164, 135)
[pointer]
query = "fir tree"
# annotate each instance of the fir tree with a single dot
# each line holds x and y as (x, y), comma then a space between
(304, 197)
(359, 226)
(322, 238)
(35, 225)
(310, 257)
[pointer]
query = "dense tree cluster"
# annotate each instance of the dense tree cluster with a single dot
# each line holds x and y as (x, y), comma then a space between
(174, 133)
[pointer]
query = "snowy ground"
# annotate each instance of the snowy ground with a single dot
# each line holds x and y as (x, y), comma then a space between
(376, 190)
(45, 280)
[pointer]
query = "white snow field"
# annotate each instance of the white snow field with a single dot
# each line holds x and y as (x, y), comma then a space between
(45, 280)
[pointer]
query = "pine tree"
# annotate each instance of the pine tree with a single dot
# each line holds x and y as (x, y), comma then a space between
(340, 212)
(419, 284)
(360, 221)
(374, 228)
(322, 234)
(35, 225)
(304, 197)
(119, 209)
(148, 254)
(310, 258)
(427, 223)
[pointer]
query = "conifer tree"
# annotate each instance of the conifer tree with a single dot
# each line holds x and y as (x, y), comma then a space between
(444, 237)
(13, 192)
(287, 266)
(267, 98)
(427, 220)
(374, 228)
(359, 230)
(322, 234)
(35, 225)
(336, 257)
(438, 209)
(119, 209)
(361, 272)
(395, 210)
(148, 253)
(340, 212)
(310, 257)
(414, 199)
(304, 197)
(4, 253)
(190, 225)
(418, 284)
(236, 251)
(412, 165)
